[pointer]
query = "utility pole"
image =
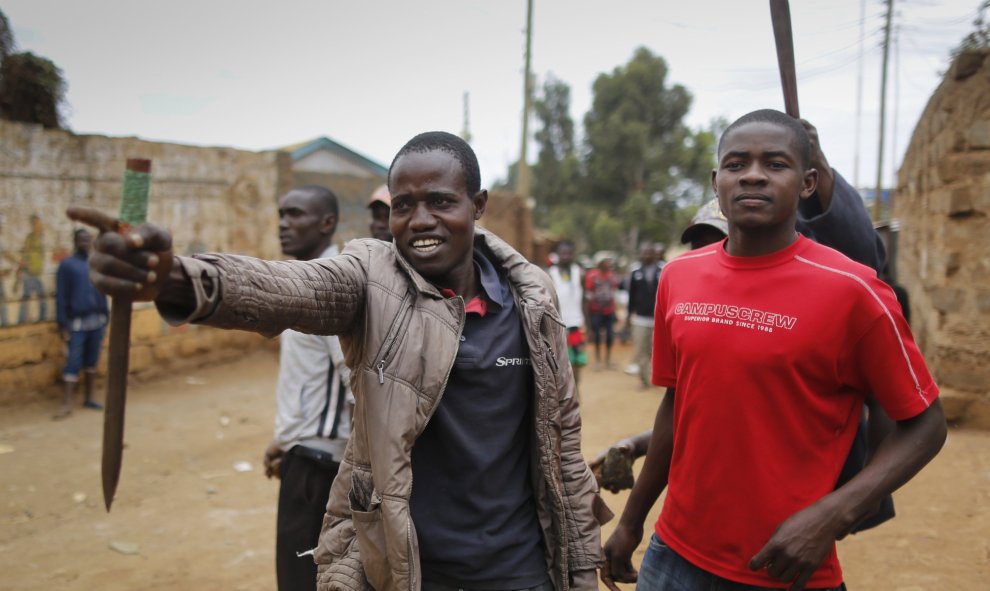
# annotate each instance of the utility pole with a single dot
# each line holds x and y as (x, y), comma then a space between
(522, 173)
(859, 94)
(466, 130)
(883, 110)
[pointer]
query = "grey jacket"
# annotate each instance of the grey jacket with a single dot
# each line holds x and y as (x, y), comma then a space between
(400, 336)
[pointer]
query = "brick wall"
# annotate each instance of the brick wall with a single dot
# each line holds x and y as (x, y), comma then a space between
(215, 199)
(942, 201)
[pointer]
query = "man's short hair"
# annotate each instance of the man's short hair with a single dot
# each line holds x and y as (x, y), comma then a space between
(322, 195)
(431, 141)
(801, 139)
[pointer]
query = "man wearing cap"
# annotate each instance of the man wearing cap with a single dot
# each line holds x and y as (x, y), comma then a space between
(380, 204)
(708, 226)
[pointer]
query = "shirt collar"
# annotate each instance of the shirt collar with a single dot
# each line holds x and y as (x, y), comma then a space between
(491, 287)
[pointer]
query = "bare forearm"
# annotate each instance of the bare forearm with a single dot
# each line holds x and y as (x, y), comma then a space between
(899, 457)
(653, 477)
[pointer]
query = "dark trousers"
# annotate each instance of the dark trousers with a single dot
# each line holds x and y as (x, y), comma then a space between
(302, 502)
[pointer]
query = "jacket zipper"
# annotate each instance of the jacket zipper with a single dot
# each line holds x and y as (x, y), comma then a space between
(393, 339)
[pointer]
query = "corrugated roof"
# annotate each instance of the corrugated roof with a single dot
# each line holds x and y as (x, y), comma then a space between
(303, 149)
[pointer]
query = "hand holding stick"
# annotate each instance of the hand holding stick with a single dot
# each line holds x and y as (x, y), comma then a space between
(133, 211)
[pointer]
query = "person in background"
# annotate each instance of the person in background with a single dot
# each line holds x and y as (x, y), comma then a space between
(567, 280)
(81, 312)
(600, 285)
(31, 267)
(313, 411)
(379, 205)
(641, 285)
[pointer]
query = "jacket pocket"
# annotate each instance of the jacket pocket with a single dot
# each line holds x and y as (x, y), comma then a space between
(366, 513)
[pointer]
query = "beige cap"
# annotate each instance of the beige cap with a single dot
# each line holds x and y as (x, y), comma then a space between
(709, 214)
(380, 195)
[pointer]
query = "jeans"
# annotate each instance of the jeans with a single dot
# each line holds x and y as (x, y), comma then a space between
(431, 586)
(32, 285)
(84, 352)
(602, 323)
(664, 570)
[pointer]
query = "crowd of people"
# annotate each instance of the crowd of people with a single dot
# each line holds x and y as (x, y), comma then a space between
(434, 353)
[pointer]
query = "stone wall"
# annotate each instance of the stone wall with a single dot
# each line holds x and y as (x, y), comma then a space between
(511, 218)
(210, 198)
(942, 201)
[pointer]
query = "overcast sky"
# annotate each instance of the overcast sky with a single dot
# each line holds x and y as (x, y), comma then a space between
(371, 74)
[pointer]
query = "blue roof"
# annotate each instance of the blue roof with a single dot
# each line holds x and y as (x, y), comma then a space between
(324, 143)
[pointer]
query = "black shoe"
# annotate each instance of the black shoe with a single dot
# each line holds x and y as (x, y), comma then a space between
(93, 405)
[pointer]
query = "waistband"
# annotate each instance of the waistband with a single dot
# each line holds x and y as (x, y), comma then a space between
(323, 458)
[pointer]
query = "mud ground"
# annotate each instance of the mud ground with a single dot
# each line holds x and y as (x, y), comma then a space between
(194, 510)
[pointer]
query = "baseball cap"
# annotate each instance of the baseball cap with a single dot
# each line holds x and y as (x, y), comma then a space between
(709, 214)
(380, 195)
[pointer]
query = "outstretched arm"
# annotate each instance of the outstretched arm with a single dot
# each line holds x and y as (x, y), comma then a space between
(802, 541)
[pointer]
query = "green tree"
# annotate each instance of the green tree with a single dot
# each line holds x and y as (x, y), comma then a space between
(32, 88)
(642, 162)
(556, 174)
(7, 44)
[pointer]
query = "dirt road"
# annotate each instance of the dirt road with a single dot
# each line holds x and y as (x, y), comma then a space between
(190, 514)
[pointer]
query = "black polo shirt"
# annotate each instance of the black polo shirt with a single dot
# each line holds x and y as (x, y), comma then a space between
(472, 501)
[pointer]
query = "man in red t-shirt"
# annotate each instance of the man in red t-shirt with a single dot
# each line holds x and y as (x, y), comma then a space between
(600, 285)
(753, 432)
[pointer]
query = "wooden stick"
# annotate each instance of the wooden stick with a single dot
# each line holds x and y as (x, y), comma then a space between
(780, 16)
(133, 206)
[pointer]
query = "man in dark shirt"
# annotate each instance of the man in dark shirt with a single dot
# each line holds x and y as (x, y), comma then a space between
(82, 315)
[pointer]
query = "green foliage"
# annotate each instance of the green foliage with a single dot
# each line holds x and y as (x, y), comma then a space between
(980, 36)
(32, 88)
(556, 174)
(640, 165)
(7, 44)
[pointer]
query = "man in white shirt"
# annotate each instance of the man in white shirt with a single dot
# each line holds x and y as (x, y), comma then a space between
(313, 402)
(567, 280)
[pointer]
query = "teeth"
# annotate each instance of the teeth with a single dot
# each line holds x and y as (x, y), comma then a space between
(426, 243)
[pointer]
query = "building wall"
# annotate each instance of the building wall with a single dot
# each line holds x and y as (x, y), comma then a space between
(942, 201)
(212, 199)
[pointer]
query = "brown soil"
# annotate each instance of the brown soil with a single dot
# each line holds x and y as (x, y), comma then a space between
(193, 521)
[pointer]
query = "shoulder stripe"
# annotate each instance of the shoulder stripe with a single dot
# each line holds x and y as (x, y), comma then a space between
(887, 313)
(688, 256)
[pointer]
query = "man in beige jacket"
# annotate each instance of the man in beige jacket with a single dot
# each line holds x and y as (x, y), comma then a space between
(460, 375)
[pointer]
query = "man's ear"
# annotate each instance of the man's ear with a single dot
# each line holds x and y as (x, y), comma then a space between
(329, 223)
(714, 186)
(480, 201)
(809, 183)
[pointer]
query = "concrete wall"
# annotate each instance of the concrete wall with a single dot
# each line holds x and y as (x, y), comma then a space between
(210, 198)
(942, 201)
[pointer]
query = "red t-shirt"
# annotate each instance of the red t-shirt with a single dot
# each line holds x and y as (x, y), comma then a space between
(771, 358)
(600, 287)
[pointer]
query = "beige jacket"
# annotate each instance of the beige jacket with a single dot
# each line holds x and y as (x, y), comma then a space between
(400, 336)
